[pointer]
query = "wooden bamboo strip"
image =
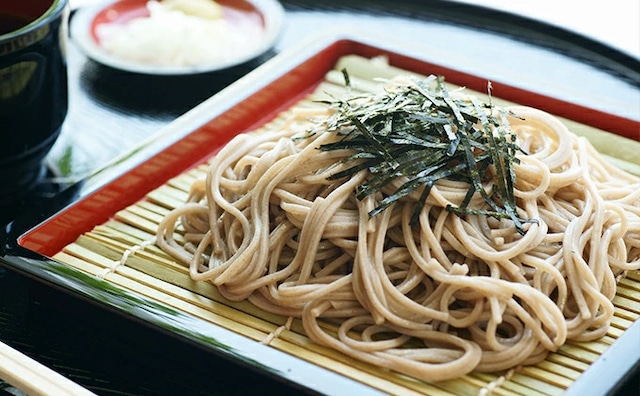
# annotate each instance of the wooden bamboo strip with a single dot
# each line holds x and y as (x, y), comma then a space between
(135, 220)
(629, 287)
(559, 369)
(181, 184)
(129, 233)
(621, 322)
(167, 195)
(480, 383)
(615, 332)
(33, 378)
(368, 69)
(568, 362)
(578, 353)
(140, 218)
(144, 213)
(123, 232)
(172, 192)
(358, 83)
(153, 208)
(113, 236)
(630, 305)
(624, 314)
(547, 376)
(148, 255)
(184, 181)
(591, 346)
(607, 340)
(630, 284)
(509, 386)
(130, 217)
(633, 275)
(117, 229)
(535, 383)
(461, 386)
(628, 292)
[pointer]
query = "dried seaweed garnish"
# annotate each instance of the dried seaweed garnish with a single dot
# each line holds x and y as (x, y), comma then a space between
(421, 132)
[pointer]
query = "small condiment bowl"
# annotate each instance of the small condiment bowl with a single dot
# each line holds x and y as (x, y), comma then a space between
(261, 22)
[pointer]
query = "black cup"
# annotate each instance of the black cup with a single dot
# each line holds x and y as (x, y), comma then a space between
(33, 89)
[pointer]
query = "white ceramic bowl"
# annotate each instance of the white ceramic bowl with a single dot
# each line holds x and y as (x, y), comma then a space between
(85, 25)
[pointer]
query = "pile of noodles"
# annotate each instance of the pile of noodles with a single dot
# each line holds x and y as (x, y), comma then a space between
(434, 300)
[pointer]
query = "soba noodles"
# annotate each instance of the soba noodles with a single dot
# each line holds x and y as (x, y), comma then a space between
(433, 300)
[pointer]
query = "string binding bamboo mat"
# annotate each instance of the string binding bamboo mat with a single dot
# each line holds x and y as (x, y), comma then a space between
(150, 272)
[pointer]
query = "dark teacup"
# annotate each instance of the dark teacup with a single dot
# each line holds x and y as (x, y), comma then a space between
(33, 89)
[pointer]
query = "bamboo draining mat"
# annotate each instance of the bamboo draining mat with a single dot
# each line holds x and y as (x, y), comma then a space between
(152, 273)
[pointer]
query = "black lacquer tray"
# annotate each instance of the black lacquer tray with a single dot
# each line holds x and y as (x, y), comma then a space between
(119, 120)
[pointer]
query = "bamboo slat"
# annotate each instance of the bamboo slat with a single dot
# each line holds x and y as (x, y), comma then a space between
(153, 274)
(34, 378)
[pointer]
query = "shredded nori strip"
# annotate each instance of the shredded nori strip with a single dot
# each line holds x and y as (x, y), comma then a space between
(422, 133)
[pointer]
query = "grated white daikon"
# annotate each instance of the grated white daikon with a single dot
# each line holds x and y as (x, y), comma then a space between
(169, 37)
